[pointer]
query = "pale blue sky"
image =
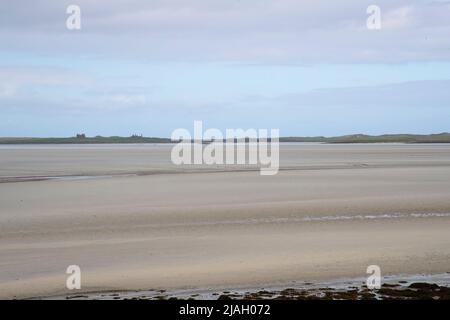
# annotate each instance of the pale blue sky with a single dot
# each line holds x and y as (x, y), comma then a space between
(156, 67)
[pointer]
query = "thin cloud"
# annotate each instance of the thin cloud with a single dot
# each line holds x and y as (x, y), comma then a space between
(284, 31)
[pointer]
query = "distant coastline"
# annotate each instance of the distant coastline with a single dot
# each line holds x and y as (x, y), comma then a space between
(355, 138)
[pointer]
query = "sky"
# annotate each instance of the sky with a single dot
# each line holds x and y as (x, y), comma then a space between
(149, 67)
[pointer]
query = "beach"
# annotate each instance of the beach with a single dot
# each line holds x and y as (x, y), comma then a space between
(132, 220)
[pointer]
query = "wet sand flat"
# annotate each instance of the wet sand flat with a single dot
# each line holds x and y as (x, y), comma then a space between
(134, 221)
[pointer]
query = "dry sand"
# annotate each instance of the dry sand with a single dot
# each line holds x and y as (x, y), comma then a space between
(330, 212)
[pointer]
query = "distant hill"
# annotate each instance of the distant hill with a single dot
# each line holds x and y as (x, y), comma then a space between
(354, 138)
(363, 138)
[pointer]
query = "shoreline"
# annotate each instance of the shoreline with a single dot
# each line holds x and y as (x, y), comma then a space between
(401, 286)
